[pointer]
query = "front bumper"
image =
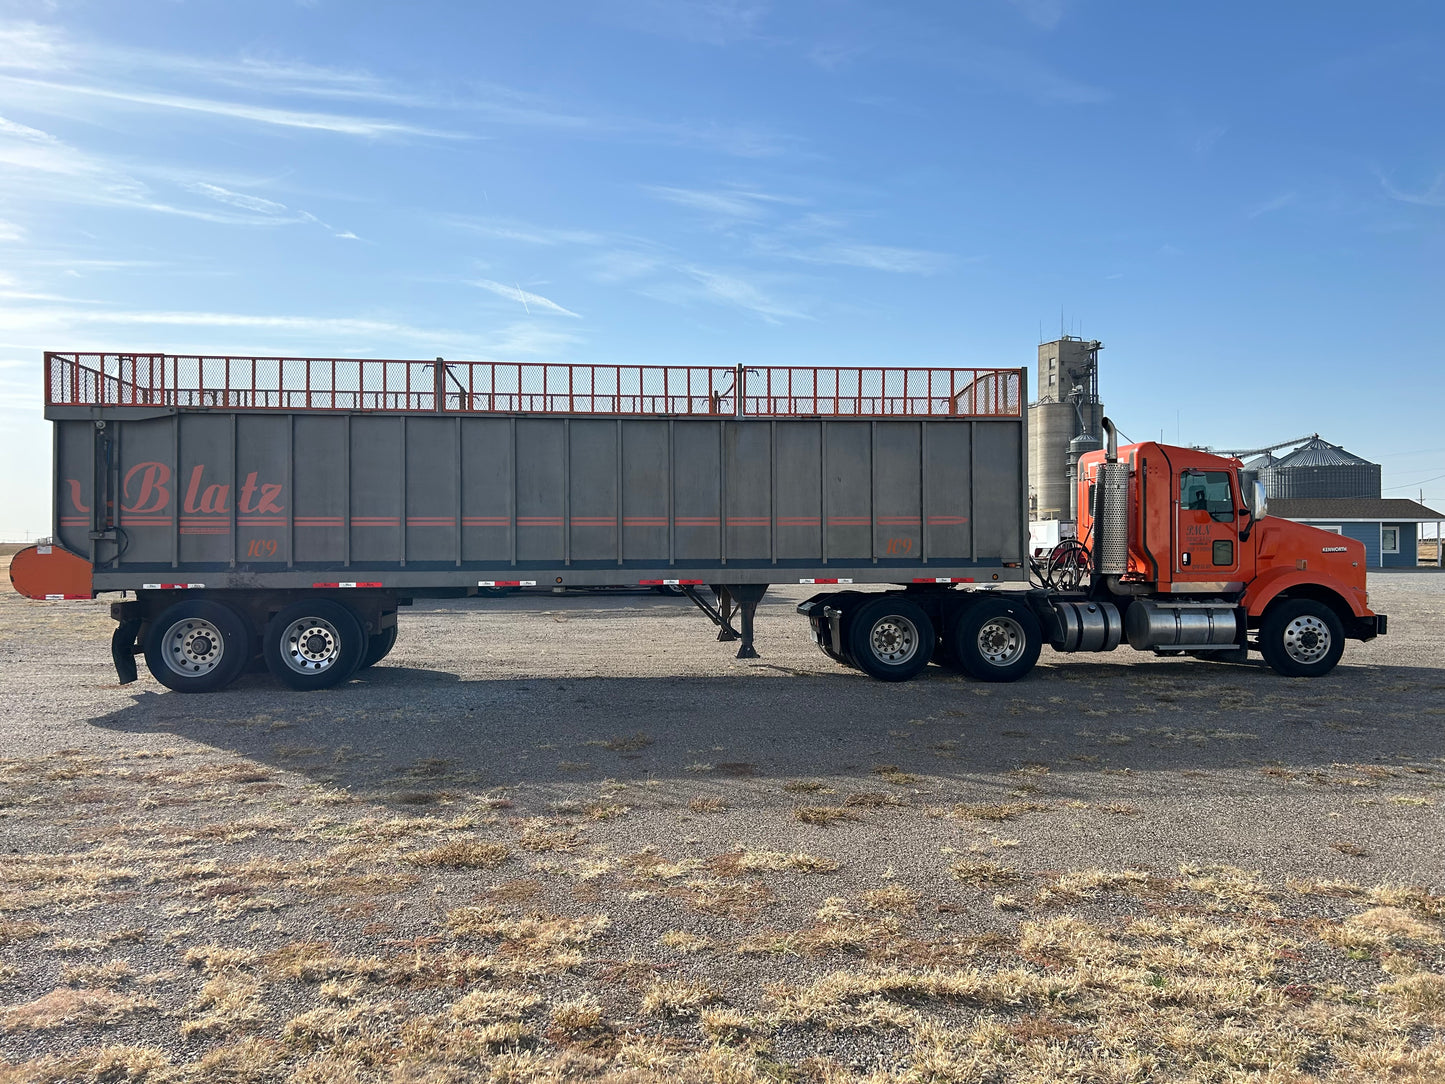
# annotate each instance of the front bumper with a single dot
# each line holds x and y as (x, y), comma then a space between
(1369, 626)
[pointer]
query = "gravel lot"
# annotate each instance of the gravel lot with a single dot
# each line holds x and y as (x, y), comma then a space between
(572, 836)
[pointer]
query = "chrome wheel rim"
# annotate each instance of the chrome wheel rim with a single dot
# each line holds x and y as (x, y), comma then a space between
(1001, 641)
(1307, 639)
(310, 645)
(193, 647)
(893, 639)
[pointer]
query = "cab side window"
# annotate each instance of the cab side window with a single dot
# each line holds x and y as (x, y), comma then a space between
(1207, 491)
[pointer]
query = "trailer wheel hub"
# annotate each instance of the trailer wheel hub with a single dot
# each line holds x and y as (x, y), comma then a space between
(193, 647)
(310, 645)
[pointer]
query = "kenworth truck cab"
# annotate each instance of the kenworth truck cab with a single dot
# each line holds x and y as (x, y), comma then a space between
(1176, 554)
(1183, 545)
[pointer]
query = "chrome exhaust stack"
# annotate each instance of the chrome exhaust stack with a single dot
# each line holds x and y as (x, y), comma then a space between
(1111, 509)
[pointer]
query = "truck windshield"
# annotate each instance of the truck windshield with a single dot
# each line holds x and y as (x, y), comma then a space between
(1207, 491)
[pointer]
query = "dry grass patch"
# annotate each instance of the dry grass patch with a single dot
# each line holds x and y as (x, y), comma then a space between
(20, 929)
(226, 1003)
(748, 861)
(67, 1008)
(894, 899)
(994, 811)
(892, 773)
(684, 998)
(806, 786)
(220, 958)
(683, 941)
(873, 799)
(706, 805)
(984, 873)
(822, 815)
(1422, 992)
(629, 744)
(462, 854)
(489, 1006)
(576, 1017)
(108, 975)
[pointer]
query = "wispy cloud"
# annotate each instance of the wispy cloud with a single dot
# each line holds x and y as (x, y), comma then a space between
(1045, 14)
(286, 118)
(239, 199)
(38, 166)
(525, 232)
(900, 261)
(1279, 203)
(707, 22)
(10, 231)
(728, 203)
(738, 292)
(1434, 196)
(526, 298)
(33, 327)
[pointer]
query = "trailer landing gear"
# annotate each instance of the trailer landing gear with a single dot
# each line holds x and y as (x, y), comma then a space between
(732, 598)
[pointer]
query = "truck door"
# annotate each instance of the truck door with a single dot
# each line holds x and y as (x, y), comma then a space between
(1206, 539)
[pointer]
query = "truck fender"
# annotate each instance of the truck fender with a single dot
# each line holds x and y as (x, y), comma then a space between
(1271, 585)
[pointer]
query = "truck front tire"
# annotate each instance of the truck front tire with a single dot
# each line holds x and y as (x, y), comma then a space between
(997, 639)
(1300, 637)
(890, 638)
(314, 644)
(197, 646)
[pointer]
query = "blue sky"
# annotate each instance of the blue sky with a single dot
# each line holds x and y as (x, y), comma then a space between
(1245, 202)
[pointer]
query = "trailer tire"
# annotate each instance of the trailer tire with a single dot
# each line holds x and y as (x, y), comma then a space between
(379, 647)
(314, 644)
(197, 646)
(997, 639)
(890, 638)
(1300, 637)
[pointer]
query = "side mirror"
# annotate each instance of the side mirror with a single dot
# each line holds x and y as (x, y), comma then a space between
(1258, 500)
(1258, 506)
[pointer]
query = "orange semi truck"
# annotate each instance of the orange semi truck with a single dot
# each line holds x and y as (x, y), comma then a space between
(276, 512)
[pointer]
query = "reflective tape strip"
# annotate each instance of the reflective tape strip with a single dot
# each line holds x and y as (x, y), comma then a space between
(346, 585)
(945, 579)
(506, 583)
(669, 583)
(58, 598)
(170, 586)
(825, 581)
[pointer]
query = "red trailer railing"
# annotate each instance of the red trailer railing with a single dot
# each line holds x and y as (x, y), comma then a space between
(351, 384)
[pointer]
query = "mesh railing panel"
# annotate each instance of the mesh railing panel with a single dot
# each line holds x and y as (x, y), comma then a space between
(350, 384)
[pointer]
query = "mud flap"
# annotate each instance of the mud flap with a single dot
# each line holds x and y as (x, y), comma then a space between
(122, 649)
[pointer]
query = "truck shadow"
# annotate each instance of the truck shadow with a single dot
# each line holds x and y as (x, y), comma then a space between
(400, 734)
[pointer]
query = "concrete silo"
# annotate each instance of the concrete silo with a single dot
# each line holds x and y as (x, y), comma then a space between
(1067, 408)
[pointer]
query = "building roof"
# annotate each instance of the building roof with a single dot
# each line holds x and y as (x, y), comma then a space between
(1387, 509)
(1319, 453)
(1260, 462)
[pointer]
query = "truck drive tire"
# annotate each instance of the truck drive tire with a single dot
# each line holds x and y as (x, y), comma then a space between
(378, 647)
(1301, 638)
(197, 646)
(314, 644)
(890, 638)
(997, 639)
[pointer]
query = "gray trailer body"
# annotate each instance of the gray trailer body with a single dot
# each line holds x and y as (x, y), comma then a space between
(159, 497)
